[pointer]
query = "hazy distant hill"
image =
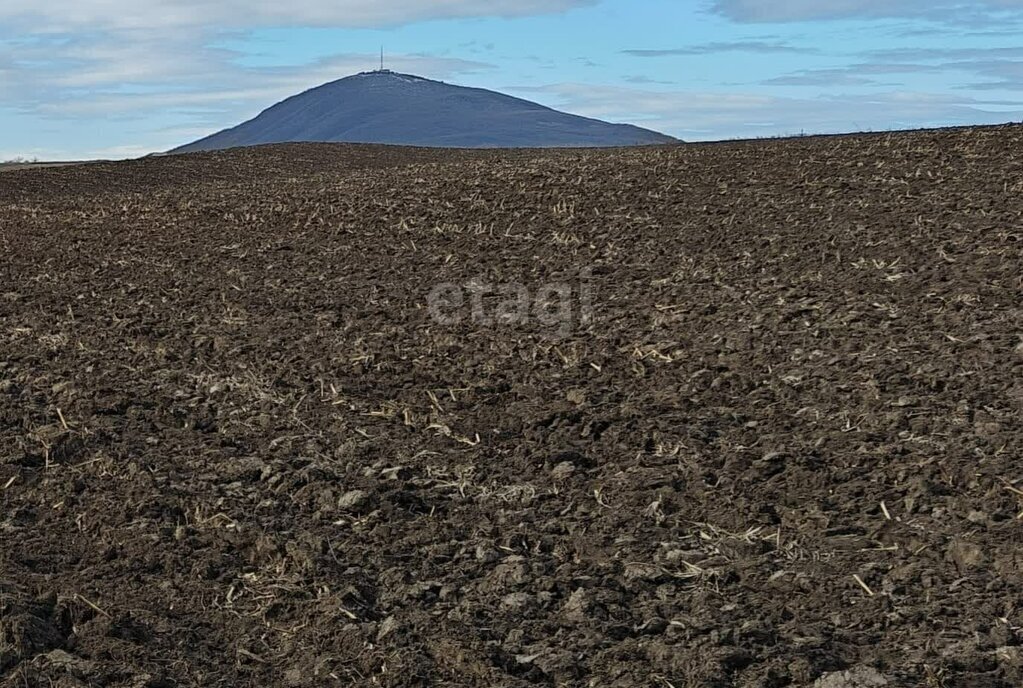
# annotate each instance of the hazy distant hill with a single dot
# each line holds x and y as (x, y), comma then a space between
(387, 107)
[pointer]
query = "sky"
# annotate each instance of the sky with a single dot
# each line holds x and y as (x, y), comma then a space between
(84, 79)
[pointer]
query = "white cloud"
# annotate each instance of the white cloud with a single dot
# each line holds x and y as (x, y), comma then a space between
(73, 15)
(991, 68)
(946, 11)
(713, 116)
(744, 46)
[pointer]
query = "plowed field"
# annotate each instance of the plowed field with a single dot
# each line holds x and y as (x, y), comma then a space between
(753, 417)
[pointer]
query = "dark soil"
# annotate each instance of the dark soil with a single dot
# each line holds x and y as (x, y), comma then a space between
(235, 448)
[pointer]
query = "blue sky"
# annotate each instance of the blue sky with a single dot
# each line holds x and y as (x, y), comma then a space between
(121, 78)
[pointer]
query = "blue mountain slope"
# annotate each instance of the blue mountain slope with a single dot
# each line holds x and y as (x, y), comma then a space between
(387, 107)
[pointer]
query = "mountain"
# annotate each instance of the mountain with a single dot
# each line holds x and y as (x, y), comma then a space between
(388, 107)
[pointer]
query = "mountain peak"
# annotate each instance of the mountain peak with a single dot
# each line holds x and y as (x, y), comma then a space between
(387, 74)
(384, 106)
